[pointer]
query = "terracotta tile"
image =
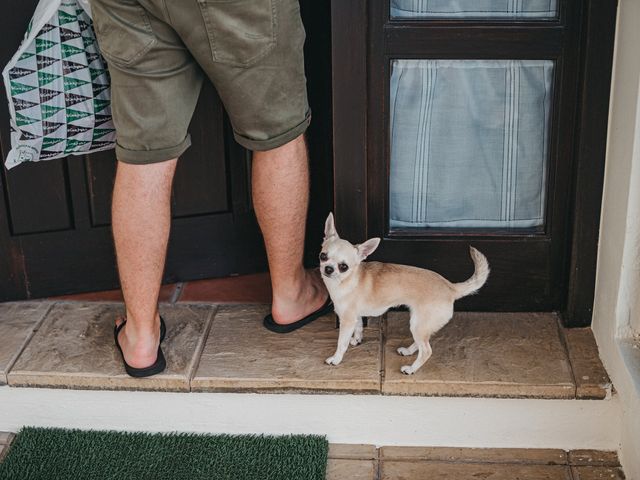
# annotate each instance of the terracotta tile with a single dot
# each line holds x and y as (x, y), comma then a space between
(353, 451)
(3, 451)
(17, 323)
(255, 288)
(597, 473)
(342, 469)
(397, 470)
(166, 294)
(240, 354)
(592, 381)
(483, 354)
(533, 456)
(6, 438)
(74, 348)
(99, 296)
(594, 457)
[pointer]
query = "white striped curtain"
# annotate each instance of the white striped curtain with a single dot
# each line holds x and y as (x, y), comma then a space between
(474, 9)
(469, 143)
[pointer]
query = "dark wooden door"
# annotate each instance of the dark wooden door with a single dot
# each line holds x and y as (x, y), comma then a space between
(55, 233)
(536, 265)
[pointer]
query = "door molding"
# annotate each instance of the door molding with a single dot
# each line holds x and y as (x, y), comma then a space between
(591, 145)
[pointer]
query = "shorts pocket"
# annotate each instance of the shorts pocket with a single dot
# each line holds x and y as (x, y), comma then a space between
(240, 32)
(123, 30)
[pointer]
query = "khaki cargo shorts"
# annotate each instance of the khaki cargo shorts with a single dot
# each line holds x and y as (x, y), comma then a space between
(158, 52)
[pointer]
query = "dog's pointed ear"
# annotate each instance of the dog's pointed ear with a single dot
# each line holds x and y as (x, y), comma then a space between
(329, 227)
(367, 248)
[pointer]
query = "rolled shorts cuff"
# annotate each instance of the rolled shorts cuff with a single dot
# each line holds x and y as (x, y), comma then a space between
(274, 142)
(141, 157)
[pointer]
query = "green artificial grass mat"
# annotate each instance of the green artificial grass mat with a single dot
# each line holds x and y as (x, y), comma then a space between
(54, 453)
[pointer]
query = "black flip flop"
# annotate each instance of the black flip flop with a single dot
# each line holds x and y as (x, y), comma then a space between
(158, 366)
(270, 323)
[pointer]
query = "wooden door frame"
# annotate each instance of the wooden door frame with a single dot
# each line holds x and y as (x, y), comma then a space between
(350, 54)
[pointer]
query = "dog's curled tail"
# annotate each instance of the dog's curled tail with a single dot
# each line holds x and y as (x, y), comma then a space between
(478, 278)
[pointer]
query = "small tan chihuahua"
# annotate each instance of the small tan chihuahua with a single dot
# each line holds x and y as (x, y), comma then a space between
(368, 289)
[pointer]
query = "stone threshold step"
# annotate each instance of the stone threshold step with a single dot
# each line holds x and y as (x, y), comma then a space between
(366, 462)
(224, 348)
(366, 419)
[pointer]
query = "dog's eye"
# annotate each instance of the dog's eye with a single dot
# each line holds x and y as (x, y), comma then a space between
(323, 257)
(343, 267)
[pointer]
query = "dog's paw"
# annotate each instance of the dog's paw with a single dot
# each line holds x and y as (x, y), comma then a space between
(355, 340)
(404, 351)
(333, 360)
(407, 370)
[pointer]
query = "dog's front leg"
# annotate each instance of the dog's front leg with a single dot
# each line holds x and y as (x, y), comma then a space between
(357, 333)
(348, 325)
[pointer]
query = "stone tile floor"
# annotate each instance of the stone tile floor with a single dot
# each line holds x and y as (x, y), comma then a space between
(74, 348)
(500, 464)
(507, 355)
(18, 321)
(240, 355)
(210, 347)
(366, 462)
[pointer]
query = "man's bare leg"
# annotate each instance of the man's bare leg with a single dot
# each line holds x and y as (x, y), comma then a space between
(141, 218)
(280, 185)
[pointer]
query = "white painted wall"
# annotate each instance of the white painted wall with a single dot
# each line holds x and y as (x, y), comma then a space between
(616, 321)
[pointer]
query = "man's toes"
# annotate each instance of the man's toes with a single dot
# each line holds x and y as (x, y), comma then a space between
(119, 321)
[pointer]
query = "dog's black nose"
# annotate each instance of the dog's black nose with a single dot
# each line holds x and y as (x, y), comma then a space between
(328, 270)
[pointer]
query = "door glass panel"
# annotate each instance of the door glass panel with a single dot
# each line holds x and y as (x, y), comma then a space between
(469, 143)
(508, 9)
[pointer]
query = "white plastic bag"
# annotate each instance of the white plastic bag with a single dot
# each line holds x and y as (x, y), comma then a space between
(58, 87)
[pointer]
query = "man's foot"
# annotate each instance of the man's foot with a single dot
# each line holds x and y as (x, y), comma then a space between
(139, 346)
(295, 303)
